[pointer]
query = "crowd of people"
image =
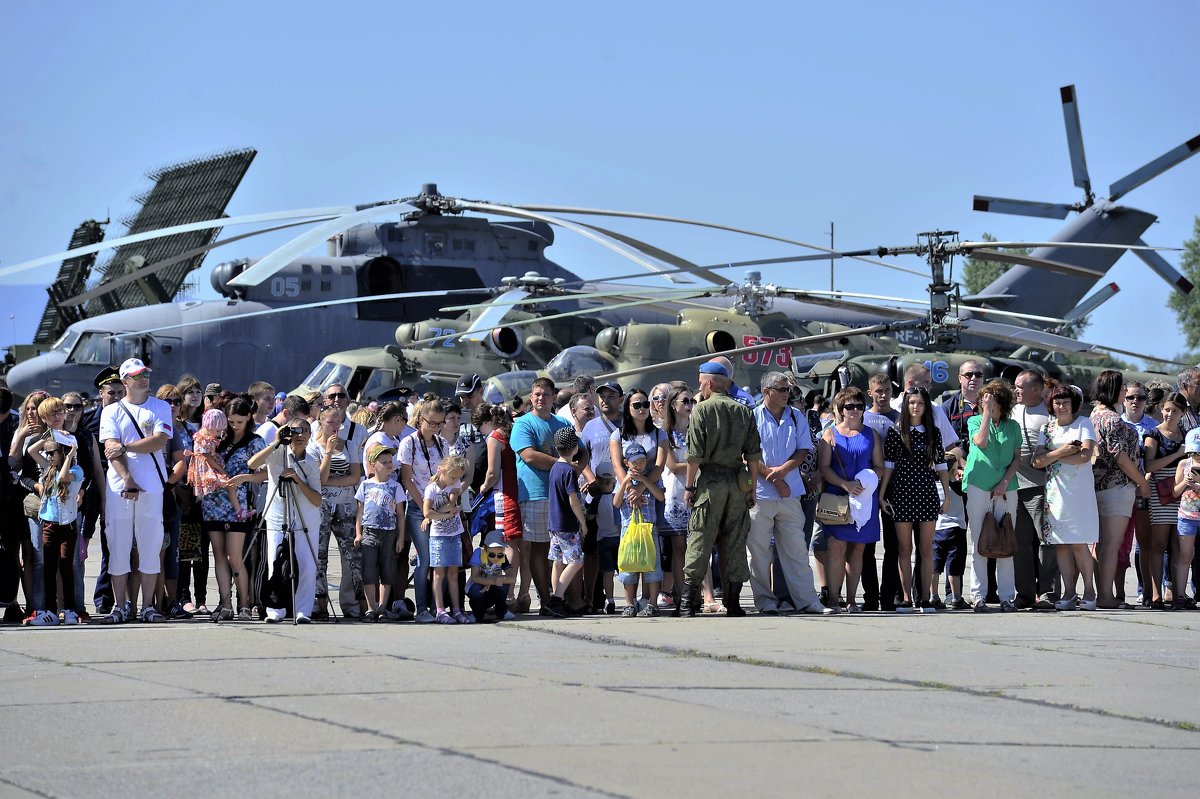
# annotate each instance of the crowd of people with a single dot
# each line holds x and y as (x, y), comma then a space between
(449, 510)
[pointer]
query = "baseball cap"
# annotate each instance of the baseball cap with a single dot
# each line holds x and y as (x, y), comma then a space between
(710, 368)
(611, 385)
(109, 374)
(212, 389)
(378, 451)
(634, 451)
(133, 367)
(1192, 441)
(467, 385)
(494, 539)
(565, 438)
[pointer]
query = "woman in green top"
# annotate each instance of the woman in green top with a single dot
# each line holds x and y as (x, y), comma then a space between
(991, 484)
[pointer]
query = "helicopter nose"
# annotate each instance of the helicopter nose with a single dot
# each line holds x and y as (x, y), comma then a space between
(35, 373)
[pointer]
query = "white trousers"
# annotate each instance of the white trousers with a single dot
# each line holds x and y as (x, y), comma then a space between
(979, 502)
(784, 519)
(127, 519)
(304, 545)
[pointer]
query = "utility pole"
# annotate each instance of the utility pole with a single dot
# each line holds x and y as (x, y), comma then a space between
(831, 258)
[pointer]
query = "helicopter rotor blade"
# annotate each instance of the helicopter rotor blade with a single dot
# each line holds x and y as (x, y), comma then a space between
(774, 345)
(973, 309)
(1094, 245)
(312, 214)
(1003, 205)
(662, 255)
(307, 306)
(1164, 269)
(493, 314)
(150, 269)
(1041, 339)
(560, 209)
(1079, 169)
(663, 294)
(1039, 263)
(282, 256)
(1156, 167)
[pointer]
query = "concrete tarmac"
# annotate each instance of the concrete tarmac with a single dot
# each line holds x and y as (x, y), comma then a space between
(1067, 704)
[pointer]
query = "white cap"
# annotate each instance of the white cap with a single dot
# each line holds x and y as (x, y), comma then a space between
(133, 367)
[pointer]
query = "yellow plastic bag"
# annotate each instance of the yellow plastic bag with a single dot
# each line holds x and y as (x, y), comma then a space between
(638, 551)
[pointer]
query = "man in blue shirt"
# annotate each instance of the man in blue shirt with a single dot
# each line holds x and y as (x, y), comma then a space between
(532, 439)
(777, 513)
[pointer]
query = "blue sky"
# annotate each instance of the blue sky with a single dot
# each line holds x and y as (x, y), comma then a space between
(883, 118)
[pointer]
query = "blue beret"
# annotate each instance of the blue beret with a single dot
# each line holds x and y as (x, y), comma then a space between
(711, 368)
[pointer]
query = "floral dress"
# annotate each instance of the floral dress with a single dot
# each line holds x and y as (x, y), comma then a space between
(1113, 437)
(216, 506)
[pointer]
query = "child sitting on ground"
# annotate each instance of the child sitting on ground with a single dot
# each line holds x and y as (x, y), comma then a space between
(206, 470)
(443, 520)
(378, 531)
(491, 576)
(566, 521)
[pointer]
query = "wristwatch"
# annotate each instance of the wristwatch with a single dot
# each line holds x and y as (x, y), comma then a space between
(689, 488)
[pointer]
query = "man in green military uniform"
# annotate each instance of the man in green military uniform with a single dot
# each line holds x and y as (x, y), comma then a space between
(721, 438)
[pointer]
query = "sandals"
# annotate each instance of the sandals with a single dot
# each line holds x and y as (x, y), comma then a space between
(445, 618)
(714, 607)
(463, 618)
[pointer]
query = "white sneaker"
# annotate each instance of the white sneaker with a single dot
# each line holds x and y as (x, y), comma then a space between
(275, 615)
(302, 618)
(44, 618)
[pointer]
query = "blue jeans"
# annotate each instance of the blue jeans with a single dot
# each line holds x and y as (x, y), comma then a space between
(420, 542)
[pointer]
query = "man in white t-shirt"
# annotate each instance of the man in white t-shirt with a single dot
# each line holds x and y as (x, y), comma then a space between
(134, 432)
(353, 433)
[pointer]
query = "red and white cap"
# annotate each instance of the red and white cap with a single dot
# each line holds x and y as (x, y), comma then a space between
(133, 367)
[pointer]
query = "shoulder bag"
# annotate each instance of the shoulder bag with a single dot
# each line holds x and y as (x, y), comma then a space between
(834, 509)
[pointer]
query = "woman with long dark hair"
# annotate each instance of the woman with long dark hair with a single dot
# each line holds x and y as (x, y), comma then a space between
(1164, 450)
(914, 461)
(1118, 480)
(226, 531)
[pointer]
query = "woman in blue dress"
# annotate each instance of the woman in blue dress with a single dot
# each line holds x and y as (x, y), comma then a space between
(845, 450)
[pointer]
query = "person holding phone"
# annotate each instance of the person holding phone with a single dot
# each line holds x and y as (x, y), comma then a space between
(1071, 521)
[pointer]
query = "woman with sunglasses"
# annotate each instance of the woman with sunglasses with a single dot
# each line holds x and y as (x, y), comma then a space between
(1118, 481)
(660, 395)
(636, 427)
(419, 456)
(846, 450)
(679, 404)
(1163, 451)
(293, 497)
(226, 531)
(914, 463)
(88, 458)
(340, 476)
(1135, 414)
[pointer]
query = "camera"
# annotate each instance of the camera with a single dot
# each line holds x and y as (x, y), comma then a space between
(285, 435)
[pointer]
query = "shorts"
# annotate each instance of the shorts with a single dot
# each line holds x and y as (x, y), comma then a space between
(820, 541)
(656, 576)
(535, 521)
(127, 520)
(380, 561)
(444, 551)
(1117, 501)
(950, 551)
(375, 536)
(607, 548)
(566, 547)
(1188, 527)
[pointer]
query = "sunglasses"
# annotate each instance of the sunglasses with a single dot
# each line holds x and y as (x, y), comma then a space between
(687, 403)
(73, 406)
(780, 389)
(639, 406)
(971, 375)
(854, 406)
(337, 395)
(1136, 397)
(174, 402)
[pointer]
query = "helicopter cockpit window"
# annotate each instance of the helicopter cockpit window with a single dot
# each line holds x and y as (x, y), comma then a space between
(575, 361)
(317, 376)
(340, 374)
(379, 381)
(93, 348)
(125, 348)
(65, 342)
(511, 384)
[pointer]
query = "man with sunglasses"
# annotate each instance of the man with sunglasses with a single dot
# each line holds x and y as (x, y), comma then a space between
(134, 432)
(88, 457)
(595, 436)
(777, 513)
(354, 434)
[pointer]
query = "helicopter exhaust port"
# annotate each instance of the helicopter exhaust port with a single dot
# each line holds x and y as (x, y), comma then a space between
(505, 342)
(719, 341)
